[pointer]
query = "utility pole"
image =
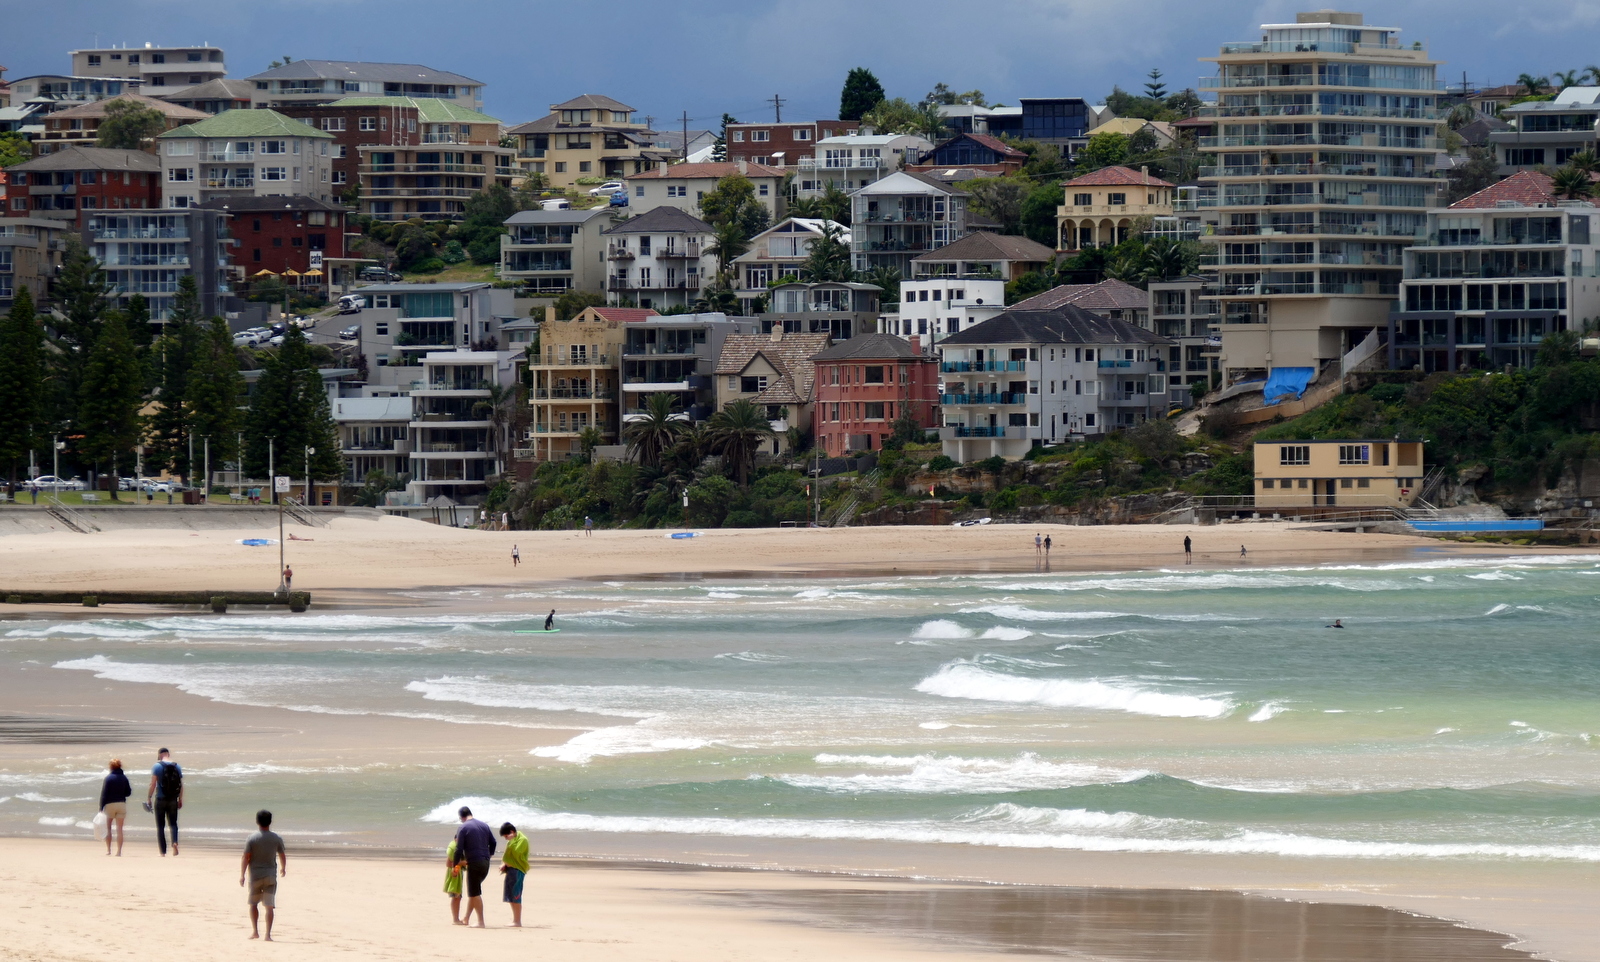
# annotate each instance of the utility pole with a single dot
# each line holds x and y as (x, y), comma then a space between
(272, 471)
(205, 478)
(777, 108)
(55, 465)
(188, 466)
(686, 135)
(309, 452)
(238, 458)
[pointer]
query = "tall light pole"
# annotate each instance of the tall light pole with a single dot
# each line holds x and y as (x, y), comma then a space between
(205, 483)
(272, 471)
(188, 466)
(309, 452)
(55, 465)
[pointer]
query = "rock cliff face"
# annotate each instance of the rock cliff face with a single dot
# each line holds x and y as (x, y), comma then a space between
(1576, 493)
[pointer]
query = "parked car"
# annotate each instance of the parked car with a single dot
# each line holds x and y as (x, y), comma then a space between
(155, 486)
(352, 304)
(275, 340)
(619, 199)
(246, 339)
(127, 484)
(560, 203)
(350, 333)
(608, 188)
(303, 322)
(50, 482)
(378, 274)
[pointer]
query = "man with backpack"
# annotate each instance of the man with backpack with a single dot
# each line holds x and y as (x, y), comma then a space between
(166, 792)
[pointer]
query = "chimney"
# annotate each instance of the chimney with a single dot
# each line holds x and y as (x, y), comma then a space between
(1144, 172)
(777, 333)
(744, 165)
(916, 343)
(549, 313)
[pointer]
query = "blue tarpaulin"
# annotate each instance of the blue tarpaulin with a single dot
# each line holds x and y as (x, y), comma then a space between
(1286, 384)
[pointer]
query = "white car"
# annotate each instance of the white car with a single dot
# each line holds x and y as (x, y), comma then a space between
(608, 188)
(246, 339)
(50, 482)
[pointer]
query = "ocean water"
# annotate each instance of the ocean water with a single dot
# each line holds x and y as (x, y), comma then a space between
(1190, 710)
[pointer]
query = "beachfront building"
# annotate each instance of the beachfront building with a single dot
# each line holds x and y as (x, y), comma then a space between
(1295, 474)
(1103, 208)
(855, 159)
(684, 185)
(901, 216)
(80, 126)
(659, 259)
(458, 440)
(212, 97)
(677, 356)
(977, 155)
(155, 68)
(373, 436)
(244, 153)
(865, 384)
(839, 309)
(778, 252)
(74, 183)
(1181, 311)
(934, 306)
(1110, 298)
(402, 323)
(586, 138)
(773, 371)
(1032, 377)
(984, 254)
(30, 254)
(574, 378)
(1320, 175)
(324, 81)
(298, 238)
(551, 252)
(781, 144)
(1495, 274)
(147, 252)
(1547, 133)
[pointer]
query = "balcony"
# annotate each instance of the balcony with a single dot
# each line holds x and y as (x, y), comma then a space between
(1299, 230)
(1362, 259)
(563, 359)
(1316, 200)
(1004, 397)
(1294, 46)
(231, 157)
(231, 183)
(619, 252)
(963, 367)
(962, 431)
(574, 394)
(1309, 170)
(691, 250)
(1273, 288)
(1373, 141)
(1320, 110)
(147, 260)
(902, 217)
(841, 163)
(424, 169)
(370, 192)
(1310, 80)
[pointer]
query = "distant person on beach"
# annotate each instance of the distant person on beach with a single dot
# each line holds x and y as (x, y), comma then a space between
(263, 855)
(1337, 623)
(1047, 547)
(514, 866)
(164, 798)
(452, 881)
(475, 847)
(588, 527)
(1188, 550)
(1242, 552)
(516, 556)
(1038, 545)
(114, 792)
(288, 578)
(550, 620)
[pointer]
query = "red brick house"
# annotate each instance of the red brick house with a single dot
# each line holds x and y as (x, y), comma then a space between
(865, 384)
(782, 145)
(64, 184)
(280, 233)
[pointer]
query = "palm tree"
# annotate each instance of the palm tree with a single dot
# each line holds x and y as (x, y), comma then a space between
(1585, 161)
(737, 432)
(1592, 74)
(828, 258)
(834, 204)
(653, 433)
(805, 207)
(500, 409)
(1572, 183)
(590, 438)
(1460, 115)
(1533, 85)
(886, 279)
(1567, 78)
(727, 242)
(1165, 259)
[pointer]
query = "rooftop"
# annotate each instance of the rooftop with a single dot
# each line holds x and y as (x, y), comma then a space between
(625, 315)
(361, 70)
(430, 110)
(274, 203)
(711, 171)
(1067, 324)
(789, 354)
(662, 220)
(907, 182)
(247, 123)
(869, 347)
(985, 246)
(91, 158)
(97, 108)
(220, 89)
(592, 102)
(455, 287)
(1108, 295)
(574, 215)
(1117, 177)
(1526, 188)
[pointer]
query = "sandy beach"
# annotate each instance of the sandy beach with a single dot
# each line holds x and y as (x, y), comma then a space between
(590, 897)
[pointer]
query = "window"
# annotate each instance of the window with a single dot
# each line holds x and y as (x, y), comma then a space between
(180, 148)
(158, 58)
(1294, 454)
(874, 375)
(194, 56)
(274, 147)
(1088, 420)
(180, 175)
(1363, 482)
(194, 78)
(677, 191)
(1524, 156)
(1116, 199)
(738, 136)
(333, 123)
(339, 177)
(1354, 454)
(367, 123)
(752, 385)
(297, 173)
(802, 134)
(585, 166)
(1346, 483)
(274, 173)
(872, 411)
(94, 60)
(760, 136)
(158, 81)
(762, 190)
(1083, 200)
(561, 166)
(1267, 483)
(733, 382)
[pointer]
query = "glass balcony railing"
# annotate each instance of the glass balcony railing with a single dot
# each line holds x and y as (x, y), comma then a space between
(962, 431)
(962, 367)
(1312, 80)
(1319, 110)
(1298, 46)
(1003, 397)
(1374, 141)
(1325, 170)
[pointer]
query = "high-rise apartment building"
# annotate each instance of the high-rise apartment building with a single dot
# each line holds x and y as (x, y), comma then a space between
(1319, 175)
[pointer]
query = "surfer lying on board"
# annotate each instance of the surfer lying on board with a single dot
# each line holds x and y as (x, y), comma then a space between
(1337, 623)
(550, 620)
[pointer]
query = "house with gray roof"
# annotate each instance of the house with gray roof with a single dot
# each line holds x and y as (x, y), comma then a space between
(244, 153)
(323, 81)
(659, 259)
(551, 252)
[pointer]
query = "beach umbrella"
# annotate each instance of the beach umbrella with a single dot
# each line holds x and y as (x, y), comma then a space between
(291, 272)
(312, 273)
(263, 272)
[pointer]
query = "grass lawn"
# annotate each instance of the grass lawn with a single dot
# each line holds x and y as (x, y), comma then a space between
(461, 273)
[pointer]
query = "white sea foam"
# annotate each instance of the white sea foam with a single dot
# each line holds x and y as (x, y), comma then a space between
(754, 657)
(1267, 711)
(1010, 826)
(933, 725)
(1497, 609)
(935, 775)
(941, 629)
(611, 700)
(64, 821)
(966, 680)
(1002, 633)
(1024, 613)
(48, 799)
(618, 740)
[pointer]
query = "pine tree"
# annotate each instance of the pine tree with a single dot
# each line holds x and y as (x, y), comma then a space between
(861, 93)
(110, 397)
(290, 407)
(174, 356)
(22, 383)
(214, 389)
(82, 290)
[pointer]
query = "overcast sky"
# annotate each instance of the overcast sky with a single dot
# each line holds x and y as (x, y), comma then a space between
(705, 57)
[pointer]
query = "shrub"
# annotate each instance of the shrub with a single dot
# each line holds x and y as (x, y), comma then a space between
(993, 465)
(1004, 500)
(940, 462)
(1388, 393)
(431, 265)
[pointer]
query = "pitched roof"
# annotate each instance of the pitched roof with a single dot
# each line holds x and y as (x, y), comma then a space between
(711, 171)
(1527, 188)
(97, 108)
(430, 110)
(1116, 177)
(571, 215)
(984, 246)
(361, 70)
(1108, 295)
(1067, 324)
(552, 122)
(994, 143)
(626, 315)
(247, 123)
(663, 220)
(241, 205)
(895, 184)
(220, 89)
(90, 158)
(592, 102)
(790, 355)
(870, 347)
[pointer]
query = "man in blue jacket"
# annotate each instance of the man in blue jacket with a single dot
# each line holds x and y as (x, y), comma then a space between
(165, 797)
(475, 845)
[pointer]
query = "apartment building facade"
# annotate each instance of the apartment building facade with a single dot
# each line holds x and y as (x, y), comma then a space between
(1183, 311)
(659, 259)
(73, 183)
(575, 376)
(245, 153)
(778, 252)
(148, 252)
(403, 322)
(1354, 473)
(324, 81)
(865, 384)
(457, 446)
(979, 153)
(591, 136)
(781, 144)
(1032, 377)
(550, 252)
(281, 234)
(1320, 176)
(374, 435)
(1495, 274)
(856, 159)
(80, 126)
(415, 157)
(684, 185)
(773, 371)
(934, 306)
(1103, 208)
(902, 216)
(30, 253)
(154, 67)
(1547, 133)
(677, 356)
(839, 309)
(980, 253)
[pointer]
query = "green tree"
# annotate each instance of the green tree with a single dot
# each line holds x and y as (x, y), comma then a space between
(213, 392)
(1038, 213)
(941, 94)
(1154, 88)
(1479, 170)
(861, 93)
(290, 409)
(900, 116)
(175, 355)
(828, 258)
(719, 148)
(1103, 150)
(737, 433)
(111, 394)
(650, 436)
(137, 315)
(22, 382)
(834, 204)
(501, 409)
(590, 438)
(14, 148)
(1001, 199)
(129, 125)
(1572, 183)
(886, 279)
(81, 290)
(571, 303)
(1534, 86)
(728, 240)
(483, 220)
(734, 202)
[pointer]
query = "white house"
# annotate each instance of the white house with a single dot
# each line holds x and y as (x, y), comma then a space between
(684, 185)
(935, 307)
(856, 159)
(778, 252)
(660, 259)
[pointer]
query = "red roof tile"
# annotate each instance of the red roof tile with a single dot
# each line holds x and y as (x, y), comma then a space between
(1526, 187)
(710, 171)
(626, 315)
(1116, 177)
(996, 144)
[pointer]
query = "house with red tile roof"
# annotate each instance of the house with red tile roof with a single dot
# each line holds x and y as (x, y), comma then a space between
(683, 185)
(1525, 188)
(1102, 208)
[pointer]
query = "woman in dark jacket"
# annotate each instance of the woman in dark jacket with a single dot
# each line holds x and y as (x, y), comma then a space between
(114, 802)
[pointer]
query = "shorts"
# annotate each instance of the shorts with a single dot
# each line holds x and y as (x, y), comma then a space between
(115, 810)
(264, 890)
(514, 877)
(476, 873)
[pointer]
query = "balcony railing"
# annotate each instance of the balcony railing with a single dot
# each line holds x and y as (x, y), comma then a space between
(902, 217)
(678, 284)
(1297, 46)
(147, 260)
(962, 367)
(573, 394)
(1304, 170)
(1296, 230)
(418, 192)
(1363, 259)
(961, 431)
(1315, 200)
(142, 233)
(619, 252)
(563, 359)
(691, 250)
(1003, 397)
(1325, 140)
(231, 157)
(1320, 110)
(1311, 80)
(231, 183)
(424, 169)
(1271, 288)
(841, 163)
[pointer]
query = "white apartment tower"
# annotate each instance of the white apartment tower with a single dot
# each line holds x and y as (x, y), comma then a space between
(1319, 175)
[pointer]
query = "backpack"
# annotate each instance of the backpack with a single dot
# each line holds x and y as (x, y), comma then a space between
(171, 781)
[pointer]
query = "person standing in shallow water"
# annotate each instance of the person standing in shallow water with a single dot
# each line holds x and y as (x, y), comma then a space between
(550, 620)
(1188, 550)
(114, 794)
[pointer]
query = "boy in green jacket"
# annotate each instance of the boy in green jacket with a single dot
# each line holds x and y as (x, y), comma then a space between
(514, 866)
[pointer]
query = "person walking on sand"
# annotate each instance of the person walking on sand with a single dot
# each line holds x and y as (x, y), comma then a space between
(1188, 550)
(164, 798)
(114, 792)
(588, 526)
(1047, 547)
(550, 620)
(264, 855)
(452, 881)
(288, 578)
(1242, 552)
(516, 556)
(475, 847)
(514, 866)
(1038, 545)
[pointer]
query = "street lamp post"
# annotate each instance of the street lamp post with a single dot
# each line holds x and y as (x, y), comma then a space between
(309, 452)
(56, 445)
(272, 471)
(205, 482)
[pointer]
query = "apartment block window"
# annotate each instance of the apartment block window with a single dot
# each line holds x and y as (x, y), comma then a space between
(158, 58)
(561, 166)
(274, 173)
(180, 175)
(1363, 482)
(94, 60)
(872, 411)
(297, 173)
(1524, 156)
(339, 177)
(194, 56)
(195, 78)
(1346, 483)
(760, 136)
(762, 190)
(1355, 454)
(1294, 454)
(585, 166)
(180, 148)
(367, 123)
(874, 375)
(1266, 483)
(159, 81)
(19, 203)
(1088, 420)
(333, 123)
(274, 146)
(1083, 200)
(802, 133)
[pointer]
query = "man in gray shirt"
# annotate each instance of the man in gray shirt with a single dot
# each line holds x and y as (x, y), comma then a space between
(263, 854)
